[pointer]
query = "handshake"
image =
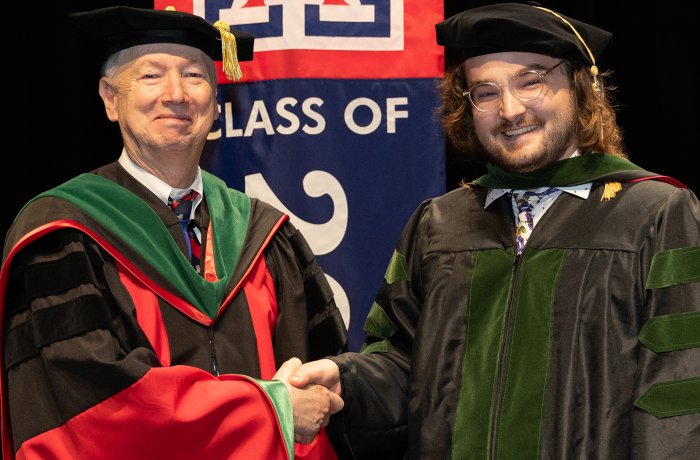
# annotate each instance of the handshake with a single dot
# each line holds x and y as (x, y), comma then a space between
(314, 388)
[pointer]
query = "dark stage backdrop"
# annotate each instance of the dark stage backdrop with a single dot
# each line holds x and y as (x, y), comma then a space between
(64, 130)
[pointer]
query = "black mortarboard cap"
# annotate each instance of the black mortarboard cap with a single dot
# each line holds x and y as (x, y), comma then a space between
(522, 27)
(119, 27)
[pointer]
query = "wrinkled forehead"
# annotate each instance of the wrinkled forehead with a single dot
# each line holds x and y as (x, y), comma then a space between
(124, 59)
(173, 49)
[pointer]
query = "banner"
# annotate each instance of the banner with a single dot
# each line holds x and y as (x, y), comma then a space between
(334, 123)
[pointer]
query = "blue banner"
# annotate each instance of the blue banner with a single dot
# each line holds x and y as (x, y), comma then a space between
(335, 124)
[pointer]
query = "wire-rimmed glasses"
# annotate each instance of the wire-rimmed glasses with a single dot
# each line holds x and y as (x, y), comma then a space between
(526, 86)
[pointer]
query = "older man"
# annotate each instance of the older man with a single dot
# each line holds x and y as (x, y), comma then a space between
(149, 311)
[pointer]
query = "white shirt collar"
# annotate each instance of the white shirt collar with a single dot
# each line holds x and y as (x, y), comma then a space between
(581, 190)
(161, 189)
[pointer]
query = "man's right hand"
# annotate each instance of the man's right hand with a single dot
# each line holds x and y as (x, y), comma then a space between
(312, 403)
(322, 372)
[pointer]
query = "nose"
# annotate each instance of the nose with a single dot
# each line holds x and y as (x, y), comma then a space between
(174, 89)
(511, 107)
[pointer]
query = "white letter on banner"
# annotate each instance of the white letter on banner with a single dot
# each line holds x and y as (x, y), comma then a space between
(228, 121)
(322, 238)
(392, 114)
(376, 115)
(320, 121)
(287, 115)
(265, 122)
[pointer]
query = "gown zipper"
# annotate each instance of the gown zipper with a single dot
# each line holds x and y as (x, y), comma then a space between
(501, 366)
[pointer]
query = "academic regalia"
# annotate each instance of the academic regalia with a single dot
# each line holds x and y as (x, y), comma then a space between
(585, 346)
(114, 347)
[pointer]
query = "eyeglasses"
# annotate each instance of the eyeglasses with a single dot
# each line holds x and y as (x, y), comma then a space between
(526, 86)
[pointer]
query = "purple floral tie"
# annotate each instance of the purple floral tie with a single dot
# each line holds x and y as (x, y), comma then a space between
(526, 200)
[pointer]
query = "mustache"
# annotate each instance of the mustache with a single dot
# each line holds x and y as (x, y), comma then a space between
(505, 125)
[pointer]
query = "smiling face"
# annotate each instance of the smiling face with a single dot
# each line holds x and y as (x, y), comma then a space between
(523, 136)
(164, 98)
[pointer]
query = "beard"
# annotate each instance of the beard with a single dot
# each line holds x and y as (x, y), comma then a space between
(555, 138)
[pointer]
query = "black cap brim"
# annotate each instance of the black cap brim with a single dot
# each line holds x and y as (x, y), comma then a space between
(119, 27)
(506, 27)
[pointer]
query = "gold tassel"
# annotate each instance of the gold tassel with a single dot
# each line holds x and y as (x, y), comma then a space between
(228, 49)
(610, 190)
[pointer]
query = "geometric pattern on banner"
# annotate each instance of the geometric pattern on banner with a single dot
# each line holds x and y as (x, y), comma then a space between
(331, 38)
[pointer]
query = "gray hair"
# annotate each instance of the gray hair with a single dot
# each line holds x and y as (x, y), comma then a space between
(115, 60)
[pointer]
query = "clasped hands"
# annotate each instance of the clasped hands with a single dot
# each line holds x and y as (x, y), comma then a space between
(314, 388)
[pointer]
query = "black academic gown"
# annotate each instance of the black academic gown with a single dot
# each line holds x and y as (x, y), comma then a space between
(115, 348)
(586, 346)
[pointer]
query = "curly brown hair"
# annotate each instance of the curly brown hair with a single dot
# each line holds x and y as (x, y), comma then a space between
(597, 128)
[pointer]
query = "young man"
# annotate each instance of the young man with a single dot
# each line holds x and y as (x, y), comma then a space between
(513, 326)
(149, 311)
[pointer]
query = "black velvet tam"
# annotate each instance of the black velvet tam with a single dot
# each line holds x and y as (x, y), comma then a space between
(119, 27)
(506, 27)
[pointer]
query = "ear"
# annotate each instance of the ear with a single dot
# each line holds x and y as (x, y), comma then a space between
(109, 95)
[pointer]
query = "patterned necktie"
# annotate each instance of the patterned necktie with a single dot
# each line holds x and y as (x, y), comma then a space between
(526, 202)
(183, 208)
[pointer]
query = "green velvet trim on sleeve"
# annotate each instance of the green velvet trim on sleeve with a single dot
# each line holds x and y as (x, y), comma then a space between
(375, 347)
(678, 331)
(673, 267)
(397, 269)
(378, 323)
(278, 394)
(668, 399)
